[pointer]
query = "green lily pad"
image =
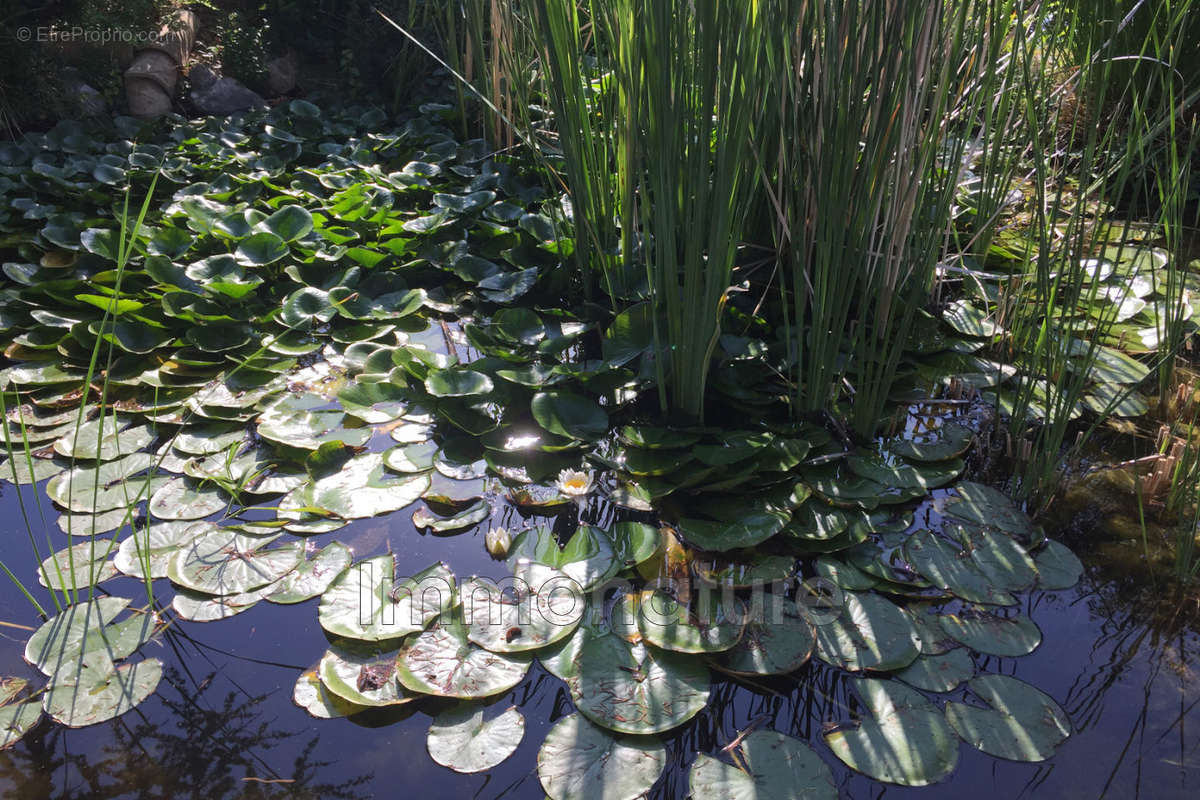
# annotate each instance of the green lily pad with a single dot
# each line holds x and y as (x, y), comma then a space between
(772, 767)
(203, 440)
(969, 320)
(543, 607)
(93, 697)
(456, 382)
(366, 603)
(816, 522)
(905, 740)
(313, 576)
(311, 695)
(750, 530)
(93, 524)
(778, 640)
(941, 673)
(363, 678)
(652, 438)
(745, 570)
(362, 488)
(579, 761)
(78, 567)
(950, 441)
(156, 544)
(443, 661)
(185, 499)
(869, 634)
(905, 476)
(104, 439)
(633, 688)
(86, 637)
(952, 569)
(1057, 566)
(934, 639)
(17, 719)
(984, 505)
(105, 487)
(993, 635)
(199, 607)
(309, 430)
(461, 738)
(306, 308)
(844, 574)
(224, 562)
(1005, 563)
(568, 414)
(374, 403)
(411, 458)
(710, 624)
(289, 223)
(468, 518)
(261, 249)
(18, 469)
(1023, 723)
(588, 557)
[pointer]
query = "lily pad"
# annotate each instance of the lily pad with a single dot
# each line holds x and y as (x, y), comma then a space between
(461, 738)
(710, 624)
(1057, 566)
(568, 414)
(579, 761)
(941, 673)
(772, 767)
(1023, 723)
(311, 695)
(105, 487)
(750, 530)
(16, 718)
(411, 458)
(78, 567)
(94, 697)
(992, 634)
(951, 441)
(778, 640)
(185, 499)
(224, 561)
(984, 505)
(104, 439)
(313, 576)
(199, 607)
(456, 382)
(905, 740)
(363, 678)
(155, 545)
(588, 557)
(905, 476)
(443, 661)
(85, 637)
(950, 568)
(469, 517)
(870, 634)
(544, 606)
(365, 602)
(362, 488)
(633, 688)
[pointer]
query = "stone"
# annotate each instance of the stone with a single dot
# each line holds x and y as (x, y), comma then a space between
(202, 76)
(225, 96)
(281, 74)
(146, 98)
(155, 66)
(176, 38)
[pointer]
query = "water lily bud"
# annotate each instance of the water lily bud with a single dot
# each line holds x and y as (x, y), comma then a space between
(497, 541)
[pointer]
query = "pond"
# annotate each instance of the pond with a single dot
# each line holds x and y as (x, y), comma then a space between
(333, 345)
(1118, 657)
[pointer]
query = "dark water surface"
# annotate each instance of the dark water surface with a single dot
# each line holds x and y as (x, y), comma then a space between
(1117, 654)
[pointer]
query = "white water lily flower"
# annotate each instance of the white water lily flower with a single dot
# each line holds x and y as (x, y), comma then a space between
(497, 541)
(574, 483)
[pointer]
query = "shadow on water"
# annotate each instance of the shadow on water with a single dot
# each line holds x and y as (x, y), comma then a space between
(1119, 657)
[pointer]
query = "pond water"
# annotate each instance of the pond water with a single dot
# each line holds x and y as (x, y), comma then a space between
(1118, 654)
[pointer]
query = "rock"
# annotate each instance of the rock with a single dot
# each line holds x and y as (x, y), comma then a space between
(146, 98)
(156, 66)
(202, 76)
(224, 96)
(176, 37)
(86, 100)
(281, 74)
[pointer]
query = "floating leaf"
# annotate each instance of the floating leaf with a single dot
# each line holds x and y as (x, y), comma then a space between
(970, 321)
(588, 557)
(993, 635)
(1057, 566)
(462, 740)
(870, 633)
(105, 487)
(364, 678)
(951, 441)
(456, 382)
(157, 543)
(16, 718)
(750, 530)
(313, 576)
(905, 741)
(632, 688)
(778, 639)
(905, 476)
(710, 624)
(950, 568)
(542, 607)
(1023, 723)
(443, 661)
(941, 673)
(362, 488)
(261, 249)
(568, 414)
(78, 567)
(579, 761)
(469, 517)
(774, 767)
(224, 561)
(185, 499)
(84, 637)
(365, 602)
(311, 695)
(199, 607)
(986, 506)
(289, 223)
(103, 439)
(94, 697)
